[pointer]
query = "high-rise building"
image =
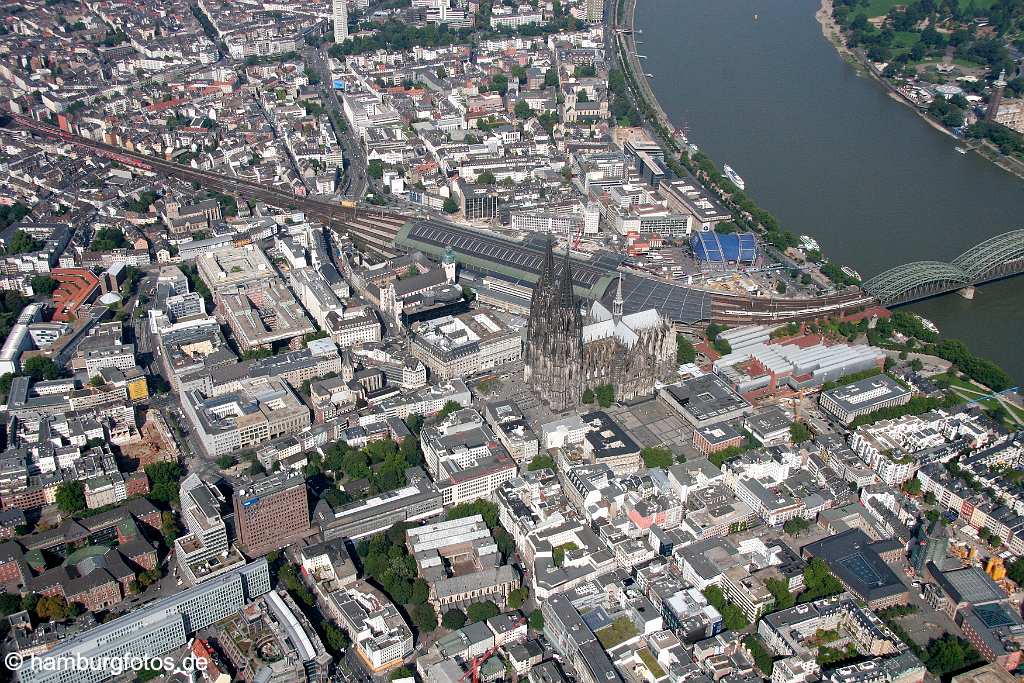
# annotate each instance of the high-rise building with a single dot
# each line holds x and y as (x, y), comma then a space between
(339, 13)
(271, 512)
(595, 10)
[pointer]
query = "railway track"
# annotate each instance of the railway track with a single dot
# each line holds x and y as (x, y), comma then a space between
(739, 309)
(369, 228)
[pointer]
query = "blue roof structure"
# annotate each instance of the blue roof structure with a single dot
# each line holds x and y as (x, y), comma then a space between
(732, 248)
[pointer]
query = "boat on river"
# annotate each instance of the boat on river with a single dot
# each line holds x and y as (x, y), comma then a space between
(734, 177)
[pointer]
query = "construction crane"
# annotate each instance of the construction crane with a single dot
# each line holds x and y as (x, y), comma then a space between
(477, 662)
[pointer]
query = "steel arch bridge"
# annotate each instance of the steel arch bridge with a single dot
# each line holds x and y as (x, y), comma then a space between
(998, 257)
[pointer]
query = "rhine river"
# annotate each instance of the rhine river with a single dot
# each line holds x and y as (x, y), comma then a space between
(831, 154)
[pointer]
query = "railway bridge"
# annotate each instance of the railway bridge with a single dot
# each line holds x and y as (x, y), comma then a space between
(996, 258)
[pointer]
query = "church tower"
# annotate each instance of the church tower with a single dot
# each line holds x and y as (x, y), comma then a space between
(618, 302)
(553, 364)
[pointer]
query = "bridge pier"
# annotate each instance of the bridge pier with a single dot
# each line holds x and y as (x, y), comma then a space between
(967, 292)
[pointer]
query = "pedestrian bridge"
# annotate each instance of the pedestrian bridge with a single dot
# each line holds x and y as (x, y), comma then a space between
(995, 258)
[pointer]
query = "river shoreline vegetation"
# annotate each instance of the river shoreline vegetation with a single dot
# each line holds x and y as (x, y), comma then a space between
(952, 49)
(748, 216)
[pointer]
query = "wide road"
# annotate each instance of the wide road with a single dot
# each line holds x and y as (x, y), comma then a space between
(355, 181)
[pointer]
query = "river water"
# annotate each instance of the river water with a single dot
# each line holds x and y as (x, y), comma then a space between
(831, 154)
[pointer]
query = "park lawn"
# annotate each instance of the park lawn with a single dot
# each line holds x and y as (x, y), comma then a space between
(955, 381)
(980, 4)
(877, 8)
(973, 391)
(904, 40)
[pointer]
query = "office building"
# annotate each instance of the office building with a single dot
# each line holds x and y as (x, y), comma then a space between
(259, 410)
(203, 553)
(705, 400)
(458, 346)
(156, 629)
(464, 457)
(417, 500)
(863, 566)
(271, 512)
(262, 313)
(849, 402)
(379, 634)
(339, 15)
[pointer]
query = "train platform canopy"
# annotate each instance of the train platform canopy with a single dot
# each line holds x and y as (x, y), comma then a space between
(521, 261)
(712, 247)
(518, 261)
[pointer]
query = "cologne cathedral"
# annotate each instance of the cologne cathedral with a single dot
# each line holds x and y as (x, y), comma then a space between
(570, 349)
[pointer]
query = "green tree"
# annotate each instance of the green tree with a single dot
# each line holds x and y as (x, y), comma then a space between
(796, 526)
(453, 619)
(523, 110)
(169, 527)
(70, 497)
(762, 656)
(481, 611)
(52, 608)
(9, 604)
(334, 638)
(685, 351)
(44, 284)
(559, 551)
(656, 456)
(799, 432)
(375, 169)
(40, 368)
(355, 465)
(486, 178)
(913, 486)
(23, 243)
(819, 581)
(108, 239)
(447, 409)
(517, 597)
(450, 205)
(1015, 570)
(779, 589)
(541, 462)
(588, 396)
(484, 508)
(420, 593)
(605, 394)
(163, 480)
(402, 671)
(424, 617)
(551, 78)
(949, 654)
(537, 620)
